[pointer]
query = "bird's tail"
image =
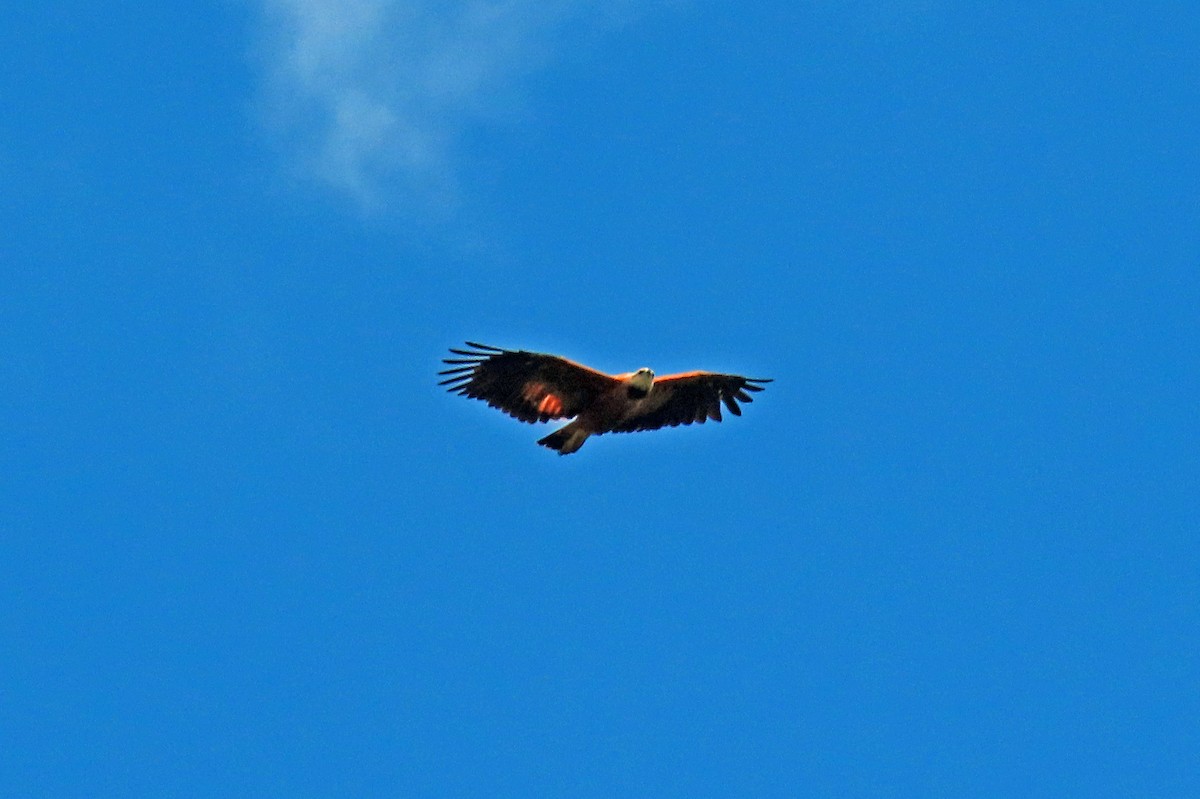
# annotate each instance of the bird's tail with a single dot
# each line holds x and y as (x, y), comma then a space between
(566, 439)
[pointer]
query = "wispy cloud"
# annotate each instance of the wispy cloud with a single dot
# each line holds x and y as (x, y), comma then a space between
(372, 97)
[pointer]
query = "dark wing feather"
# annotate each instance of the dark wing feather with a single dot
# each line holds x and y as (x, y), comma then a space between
(530, 386)
(691, 397)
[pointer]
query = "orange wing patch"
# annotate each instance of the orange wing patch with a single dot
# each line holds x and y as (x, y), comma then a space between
(550, 405)
(540, 396)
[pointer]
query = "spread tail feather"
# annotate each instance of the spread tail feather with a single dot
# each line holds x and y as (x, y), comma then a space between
(565, 439)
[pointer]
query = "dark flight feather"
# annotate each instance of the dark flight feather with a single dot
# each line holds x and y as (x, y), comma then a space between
(520, 383)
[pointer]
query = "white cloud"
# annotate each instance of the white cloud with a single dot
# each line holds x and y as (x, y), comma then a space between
(372, 96)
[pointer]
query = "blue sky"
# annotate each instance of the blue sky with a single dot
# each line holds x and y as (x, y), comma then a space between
(249, 548)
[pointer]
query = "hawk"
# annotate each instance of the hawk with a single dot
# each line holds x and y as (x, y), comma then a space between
(536, 387)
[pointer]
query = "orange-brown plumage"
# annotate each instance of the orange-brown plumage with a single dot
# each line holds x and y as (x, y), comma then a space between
(537, 387)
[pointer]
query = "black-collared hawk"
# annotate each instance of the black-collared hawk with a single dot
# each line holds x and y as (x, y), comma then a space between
(535, 387)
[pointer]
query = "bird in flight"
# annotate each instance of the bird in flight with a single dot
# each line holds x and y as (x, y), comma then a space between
(536, 387)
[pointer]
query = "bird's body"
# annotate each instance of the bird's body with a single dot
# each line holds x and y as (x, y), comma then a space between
(537, 387)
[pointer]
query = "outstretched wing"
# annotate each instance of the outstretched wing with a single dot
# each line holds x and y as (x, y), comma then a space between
(530, 386)
(691, 397)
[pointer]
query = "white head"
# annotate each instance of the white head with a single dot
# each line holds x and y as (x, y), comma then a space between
(642, 379)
